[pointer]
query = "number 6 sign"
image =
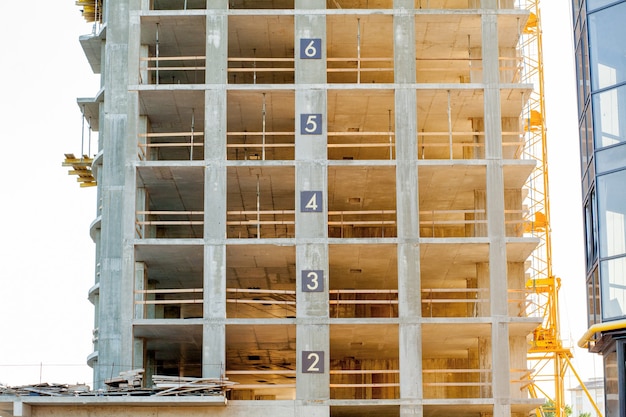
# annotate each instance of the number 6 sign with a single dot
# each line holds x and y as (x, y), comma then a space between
(310, 48)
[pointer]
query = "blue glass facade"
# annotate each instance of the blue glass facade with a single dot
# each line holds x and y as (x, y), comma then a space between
(600, 43)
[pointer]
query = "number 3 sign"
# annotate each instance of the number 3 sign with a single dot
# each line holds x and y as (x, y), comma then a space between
(313, 280)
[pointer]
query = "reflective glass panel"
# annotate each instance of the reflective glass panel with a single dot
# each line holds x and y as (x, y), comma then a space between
(594, 4)
(611, 195)
(608, 53)
(610, 159)
(613, 281)
(609, 109)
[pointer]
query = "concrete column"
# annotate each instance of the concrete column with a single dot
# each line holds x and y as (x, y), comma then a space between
(217, 43)
(138, 355)
(117, 189)
(407, 197)
(215, 178)
(495, 209)
(313, 331)
(21, 410)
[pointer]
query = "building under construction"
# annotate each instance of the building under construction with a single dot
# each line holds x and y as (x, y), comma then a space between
(323, 202)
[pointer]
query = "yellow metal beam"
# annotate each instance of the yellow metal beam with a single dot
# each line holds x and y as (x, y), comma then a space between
(600, 327)
(81, 167)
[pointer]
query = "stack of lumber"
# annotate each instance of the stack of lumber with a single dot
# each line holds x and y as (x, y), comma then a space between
(127, 380)
(182, 385)
(45, 389)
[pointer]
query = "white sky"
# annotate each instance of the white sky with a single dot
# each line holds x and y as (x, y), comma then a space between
(47, 256)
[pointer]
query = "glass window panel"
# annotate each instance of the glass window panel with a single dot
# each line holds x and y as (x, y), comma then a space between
(594, 4)
(584, 154)
(589, 127)
(608, 56)
(586, 74)
(589, 235)
(594, 214)
(580, 79)
(613, 278)
(611, 385)
(597, 313)
(610, 159)
(590, 302)
(609, 109)
(611, 194)
(589, 133)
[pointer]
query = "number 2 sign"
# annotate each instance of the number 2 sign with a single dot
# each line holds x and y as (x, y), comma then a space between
(313, 361)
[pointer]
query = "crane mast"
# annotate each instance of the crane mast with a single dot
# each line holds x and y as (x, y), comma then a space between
(547, 356)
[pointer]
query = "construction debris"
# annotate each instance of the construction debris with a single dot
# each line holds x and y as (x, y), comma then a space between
(45, 389)
(129, 383)
(127, 380)
(177, 385)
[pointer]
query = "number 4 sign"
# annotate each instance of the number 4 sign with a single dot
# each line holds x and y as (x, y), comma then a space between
(311, 202)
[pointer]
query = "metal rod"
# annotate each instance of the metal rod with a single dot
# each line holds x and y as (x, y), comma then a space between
(258, 207)
(254, 66)
(89, 137)
(193, 122)
(358, 50)
(157, 54)
(469, 55)
(263, 117)
(450, 125)
(390, 138)
(82, 136)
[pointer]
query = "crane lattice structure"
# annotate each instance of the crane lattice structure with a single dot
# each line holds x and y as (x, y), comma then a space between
(547, 356)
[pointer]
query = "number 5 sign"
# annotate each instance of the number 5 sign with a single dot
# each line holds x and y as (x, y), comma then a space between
(311, 124)
(310, 48)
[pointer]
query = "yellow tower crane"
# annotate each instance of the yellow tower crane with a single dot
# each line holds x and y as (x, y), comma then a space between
(547, 356)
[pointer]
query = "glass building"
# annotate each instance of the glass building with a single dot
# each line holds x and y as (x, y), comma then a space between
(599, 32)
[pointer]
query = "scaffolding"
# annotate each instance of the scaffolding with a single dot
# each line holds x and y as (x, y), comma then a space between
(547, 355)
